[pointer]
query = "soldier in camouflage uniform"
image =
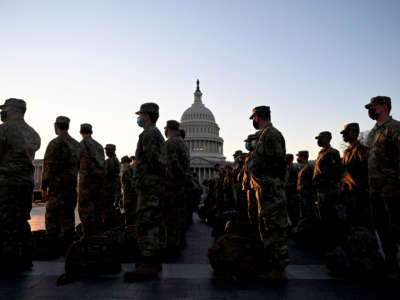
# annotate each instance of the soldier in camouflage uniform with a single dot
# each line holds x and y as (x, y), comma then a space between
(59, 183)
(326, 181)
(293, 205)
(112, 188)
(238, 194)
(129, 191)
(252, 206)
(384, 176)
(304, 186)
(150, 178)
(178, 167)
(267, 169)
(219, 187)
(354, 185)
(91, 182)
(18, 144)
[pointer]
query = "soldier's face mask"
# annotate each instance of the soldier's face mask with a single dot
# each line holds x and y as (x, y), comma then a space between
(255, 124)
(109, 154)
(372, 113)
(320, 143)
(3, 115)
(299, 160)
(166, 132)
(253, 144)
(247, 146)
(346, 137)
(140, 121)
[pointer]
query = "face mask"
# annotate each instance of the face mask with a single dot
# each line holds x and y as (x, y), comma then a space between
(299, 160)
(3, 115)
(373, 114)
(255, 124)
(346, 137)
(166, 133)
(109, 154)
(140, 122)
(247, 146)
(254, 144)
(320, 143)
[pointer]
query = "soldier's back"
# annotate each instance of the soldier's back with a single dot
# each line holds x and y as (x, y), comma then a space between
(19, 142)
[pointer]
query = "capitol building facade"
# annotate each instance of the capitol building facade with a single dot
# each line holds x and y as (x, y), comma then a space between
(202, 138)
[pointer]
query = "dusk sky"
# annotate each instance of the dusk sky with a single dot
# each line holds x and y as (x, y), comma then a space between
(315, 63)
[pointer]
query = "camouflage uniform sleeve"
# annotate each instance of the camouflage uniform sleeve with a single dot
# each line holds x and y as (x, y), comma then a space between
(173, 163)
(3, 140)
(337, 165)
(152, 148)
(51, 158)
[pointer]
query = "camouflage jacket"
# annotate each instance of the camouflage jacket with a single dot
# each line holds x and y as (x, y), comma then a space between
(384, 154)
(304, 179)
(291, 179)
(111, 174)
(150, 158)
(91, 161)
(18, 144)
(355, 162)
(128, 182)
(328, 169)
(61, 163)
(268, 159)
(178, 159)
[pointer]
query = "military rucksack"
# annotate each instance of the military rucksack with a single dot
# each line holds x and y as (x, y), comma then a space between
(91, 256)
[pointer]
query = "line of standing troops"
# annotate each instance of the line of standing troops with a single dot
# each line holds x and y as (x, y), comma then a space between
(155, 187)
(330, 200)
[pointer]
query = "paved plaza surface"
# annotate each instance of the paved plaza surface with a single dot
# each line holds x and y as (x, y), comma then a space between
(191, 277)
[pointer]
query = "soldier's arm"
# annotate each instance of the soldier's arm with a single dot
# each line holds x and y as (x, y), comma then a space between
(50, 163)
(173, 164)
(153, 149)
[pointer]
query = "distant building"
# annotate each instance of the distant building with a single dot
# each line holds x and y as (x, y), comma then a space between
(202, 138)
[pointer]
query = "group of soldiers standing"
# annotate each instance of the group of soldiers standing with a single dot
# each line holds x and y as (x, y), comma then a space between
(263, 191)
(323, 206)
(154, 189)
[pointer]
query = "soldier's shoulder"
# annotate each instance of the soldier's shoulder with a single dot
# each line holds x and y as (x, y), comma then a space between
(394, 124)
(333, 151)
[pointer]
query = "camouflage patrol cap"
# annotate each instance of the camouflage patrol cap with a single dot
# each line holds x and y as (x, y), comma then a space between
(110, 147)
(17, 103)
(86, 126)
(303, 153)
(62, 120)
(237, 153)
(351, 126)
(125, 159)
(250, 137)
(173, 125)
(258, 109)
(148, 107)
(379, 100)
(324, 134)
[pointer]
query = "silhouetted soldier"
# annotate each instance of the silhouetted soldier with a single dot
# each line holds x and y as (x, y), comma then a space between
(150, 179)
(384, 176)
(18, 144)
(267, 168)
(59, 183)
(326, 180)
(112, 188)
(91, 182)
(354, 185)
